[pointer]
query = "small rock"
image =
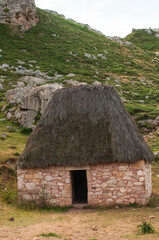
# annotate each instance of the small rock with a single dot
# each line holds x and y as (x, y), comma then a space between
(156, 153)
(94, 228)
(141, 101)
(123, 99)
(94, 57)
(75, 83)
(151, 217)
(116, 207)
(128, 43)
(11, 219)
(21, 62)
(71, 75)
(102, 56)
(70, 52)
(4, 135)
(57, 76)
(54, 35)
(97, 83)
(20, 67)
(4, 107)
(88, 55)
(1, 87)
(32, 61)
(1, 50)
(9, 116)
(4, 65)
(20, 84)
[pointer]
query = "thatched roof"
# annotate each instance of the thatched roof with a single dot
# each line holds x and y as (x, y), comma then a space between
(84, 125)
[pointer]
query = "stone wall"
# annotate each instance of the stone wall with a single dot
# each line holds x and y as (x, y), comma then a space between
(19, 13)
(108, 184)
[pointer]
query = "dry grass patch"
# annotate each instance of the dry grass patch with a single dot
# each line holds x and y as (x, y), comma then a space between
(77, 224)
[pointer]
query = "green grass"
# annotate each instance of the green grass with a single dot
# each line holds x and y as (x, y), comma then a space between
(146, 41)
(50, 234)
(51, 54)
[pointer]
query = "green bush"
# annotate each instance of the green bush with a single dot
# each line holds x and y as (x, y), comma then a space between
(26, 130)
(50, 234)
(9, 196)
(6, 10)
(145, 228)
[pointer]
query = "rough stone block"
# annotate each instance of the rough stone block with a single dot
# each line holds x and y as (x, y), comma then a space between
(122, 190)
(122, 183)
(140, 173)
(30, 186)
(139, 183)
(119, 201)
(108, 201)
(48, 178)
(122, 168)
(129, 173)
(111, 183)
(142, 179)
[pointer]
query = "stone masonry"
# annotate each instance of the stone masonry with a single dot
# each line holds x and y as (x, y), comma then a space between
(108, 184)
(19, 13)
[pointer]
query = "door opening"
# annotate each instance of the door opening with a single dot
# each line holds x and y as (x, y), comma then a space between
(79, 186)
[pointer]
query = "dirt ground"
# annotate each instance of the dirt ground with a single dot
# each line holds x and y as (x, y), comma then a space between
(77, 224)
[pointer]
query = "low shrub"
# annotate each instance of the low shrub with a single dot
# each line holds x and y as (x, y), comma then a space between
(6, 10)
(50, 234)
(145, 228)
(9, 196)
(26, 130)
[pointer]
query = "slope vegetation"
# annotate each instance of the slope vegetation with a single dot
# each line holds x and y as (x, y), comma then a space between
(60, 50)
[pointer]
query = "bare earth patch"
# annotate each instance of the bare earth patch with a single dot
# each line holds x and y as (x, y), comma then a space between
(77, 224)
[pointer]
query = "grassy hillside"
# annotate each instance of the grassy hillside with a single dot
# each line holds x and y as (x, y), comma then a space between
(58, 47)
(130, 69)
(145, 39)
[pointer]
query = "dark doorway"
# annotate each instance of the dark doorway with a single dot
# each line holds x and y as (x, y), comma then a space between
(79, 186)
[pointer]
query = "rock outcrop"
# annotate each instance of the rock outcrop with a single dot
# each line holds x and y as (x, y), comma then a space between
(29, 102)
(18, 13)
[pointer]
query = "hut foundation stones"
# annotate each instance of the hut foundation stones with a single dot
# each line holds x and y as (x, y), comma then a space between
(108, 184)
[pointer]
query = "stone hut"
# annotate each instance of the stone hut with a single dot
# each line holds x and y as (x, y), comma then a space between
(18, 13)
(85, 149)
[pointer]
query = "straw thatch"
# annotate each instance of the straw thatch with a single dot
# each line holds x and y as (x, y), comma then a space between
(84, 125)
